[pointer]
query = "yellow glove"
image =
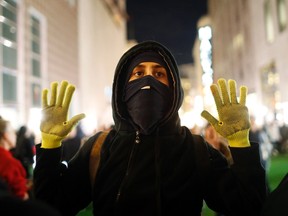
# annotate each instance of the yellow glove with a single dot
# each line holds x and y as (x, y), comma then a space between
(54, 124)
(233, 123)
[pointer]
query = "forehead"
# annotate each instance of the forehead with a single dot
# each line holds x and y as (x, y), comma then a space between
(149, 64)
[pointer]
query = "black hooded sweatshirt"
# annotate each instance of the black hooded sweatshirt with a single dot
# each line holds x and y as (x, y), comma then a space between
(169, 172)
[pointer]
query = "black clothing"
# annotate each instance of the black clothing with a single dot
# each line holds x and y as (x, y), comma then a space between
(24, 150)
(276, 203)
(13, 206)
(168, 172)
(141, 102)
(70, 146)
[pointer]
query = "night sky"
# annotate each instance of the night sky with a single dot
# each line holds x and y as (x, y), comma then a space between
(170, 22)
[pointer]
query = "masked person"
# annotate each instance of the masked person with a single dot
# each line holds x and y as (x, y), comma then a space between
(149, 163)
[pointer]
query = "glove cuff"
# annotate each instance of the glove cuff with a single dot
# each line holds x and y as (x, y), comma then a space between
(239, 139)
(50, 141)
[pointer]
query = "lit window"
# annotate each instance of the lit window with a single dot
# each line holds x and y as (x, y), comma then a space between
(281, 14)
(36, 95)
(9, 57)
(269, 85)
(9, 32)
(8, 51)
(268, 21)
(9, 88)
(36, 73)
(36, 68)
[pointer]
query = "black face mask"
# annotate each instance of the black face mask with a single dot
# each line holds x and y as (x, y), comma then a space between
(147, 106)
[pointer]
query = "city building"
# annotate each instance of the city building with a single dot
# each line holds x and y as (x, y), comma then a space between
(55, 40)
(102, 41)
(249, 44)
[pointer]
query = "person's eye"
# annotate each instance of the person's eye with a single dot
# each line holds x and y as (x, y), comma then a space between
(137, 73)
(159, 74)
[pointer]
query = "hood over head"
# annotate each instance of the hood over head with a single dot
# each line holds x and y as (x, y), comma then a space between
(145, 51)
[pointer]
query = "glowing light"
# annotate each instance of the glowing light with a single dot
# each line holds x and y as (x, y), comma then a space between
(2, 19)
(89, 123)
(33, 123)
(205, 35)
(7, 43)
(261, 113)
(11, 115)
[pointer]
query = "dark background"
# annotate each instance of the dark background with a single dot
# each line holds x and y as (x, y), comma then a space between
(170, 22)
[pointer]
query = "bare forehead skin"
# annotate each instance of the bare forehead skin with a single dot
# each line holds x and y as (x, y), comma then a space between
(154, 69)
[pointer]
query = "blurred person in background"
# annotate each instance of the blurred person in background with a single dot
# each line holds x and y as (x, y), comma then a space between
(259, 135)
(72, 143)
(149, 163)
(272, 130)
(11, 170)
(218, 142)
(284, 138)
(24, 150)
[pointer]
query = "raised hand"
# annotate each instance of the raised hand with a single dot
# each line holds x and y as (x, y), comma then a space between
(55, 125)
(233, 123)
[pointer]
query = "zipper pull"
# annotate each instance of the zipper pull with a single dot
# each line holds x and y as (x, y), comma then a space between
(137, 138)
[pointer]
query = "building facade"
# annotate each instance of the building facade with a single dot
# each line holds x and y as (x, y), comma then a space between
(55, 40)
(102, 41)
(34, 47)
(249, 44)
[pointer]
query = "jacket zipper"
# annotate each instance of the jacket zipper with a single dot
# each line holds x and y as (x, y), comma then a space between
(136, 142)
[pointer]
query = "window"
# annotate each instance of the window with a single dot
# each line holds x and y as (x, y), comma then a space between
(270, 85)
(36, 95)
(8, 51)
(268, 21)
(9, 57)
(9, 87)
(72, 3)
(281, 14)
(36, 68)
(35, 61)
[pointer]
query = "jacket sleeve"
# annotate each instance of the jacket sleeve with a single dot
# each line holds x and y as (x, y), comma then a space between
(239, 189)
(66, 187)
(276, 203)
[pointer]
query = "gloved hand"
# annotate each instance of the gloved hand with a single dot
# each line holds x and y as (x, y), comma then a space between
(234, 121)
(54, 124)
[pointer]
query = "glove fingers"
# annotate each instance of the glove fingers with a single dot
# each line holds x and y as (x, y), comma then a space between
(68, 96)
(224, 91)
(243, 94)
(75, 119)
(213, 121)
(232, 85)
(53, 98)
(44, 98)
(61, 95)
(216, 95)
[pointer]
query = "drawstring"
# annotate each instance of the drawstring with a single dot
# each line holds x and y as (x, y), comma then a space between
(158, 174)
